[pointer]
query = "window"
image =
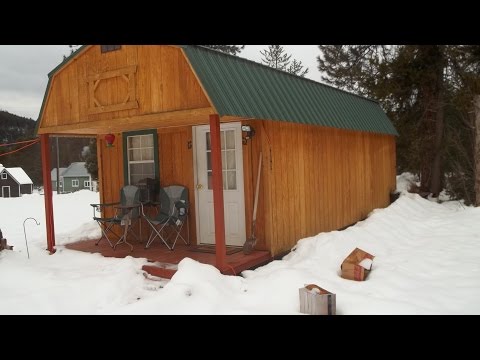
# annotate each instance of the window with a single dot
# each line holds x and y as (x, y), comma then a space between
(229, 166)
(108, 48)
(86, 184)
(60, 184)
(140, 156)
(75, 183)
(4, 175)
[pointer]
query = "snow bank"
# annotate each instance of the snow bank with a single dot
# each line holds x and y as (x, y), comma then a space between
(427, 261)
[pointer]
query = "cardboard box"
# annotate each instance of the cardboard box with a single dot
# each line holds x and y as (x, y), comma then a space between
(352, 269)
(317, 301)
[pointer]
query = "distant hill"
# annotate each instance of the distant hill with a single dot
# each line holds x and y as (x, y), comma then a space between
(14, 128)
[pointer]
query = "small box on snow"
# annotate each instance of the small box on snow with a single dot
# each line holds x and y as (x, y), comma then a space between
(357, 265)
(317, 301)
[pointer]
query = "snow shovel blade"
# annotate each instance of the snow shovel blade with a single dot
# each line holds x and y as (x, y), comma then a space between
(249, 245)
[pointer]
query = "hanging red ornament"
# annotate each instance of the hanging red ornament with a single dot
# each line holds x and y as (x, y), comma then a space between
(109, 139)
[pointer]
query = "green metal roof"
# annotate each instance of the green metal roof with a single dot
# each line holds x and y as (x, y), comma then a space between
(240, 87)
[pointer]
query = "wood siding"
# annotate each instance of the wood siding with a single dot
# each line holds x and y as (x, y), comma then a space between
(321, 179)
(162, 82)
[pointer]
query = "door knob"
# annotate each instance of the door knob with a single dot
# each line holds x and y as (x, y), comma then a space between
(199, 186)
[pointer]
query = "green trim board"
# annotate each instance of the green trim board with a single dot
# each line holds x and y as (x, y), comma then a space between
(155, 152)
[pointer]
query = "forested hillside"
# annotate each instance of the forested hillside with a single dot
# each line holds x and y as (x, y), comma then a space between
(14, 128)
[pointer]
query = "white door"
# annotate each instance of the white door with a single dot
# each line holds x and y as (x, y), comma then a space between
(233, 191)
(6, 191)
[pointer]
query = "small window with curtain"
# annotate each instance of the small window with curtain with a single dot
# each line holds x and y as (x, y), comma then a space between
(141, 156)
(108, 48)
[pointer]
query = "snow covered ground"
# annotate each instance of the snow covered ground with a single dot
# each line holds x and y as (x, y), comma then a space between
(427, 261)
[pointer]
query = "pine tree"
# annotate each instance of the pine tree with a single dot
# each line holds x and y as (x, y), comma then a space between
(296, 68)
(276, 57)
(229, 49)
(90, 158)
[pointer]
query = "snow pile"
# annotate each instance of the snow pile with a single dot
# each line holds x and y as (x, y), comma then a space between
(427, 261)
(73, 219)
(366, 263)
(406, 180)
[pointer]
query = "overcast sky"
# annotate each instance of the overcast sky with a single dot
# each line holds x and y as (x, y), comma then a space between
(24, 70)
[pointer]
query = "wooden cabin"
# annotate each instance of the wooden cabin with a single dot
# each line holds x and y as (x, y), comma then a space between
(328, 156)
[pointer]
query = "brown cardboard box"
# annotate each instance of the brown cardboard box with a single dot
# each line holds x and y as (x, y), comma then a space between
(351, 269)
(317, 301)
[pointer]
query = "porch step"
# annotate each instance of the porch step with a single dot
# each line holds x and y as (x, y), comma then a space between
(162, 270)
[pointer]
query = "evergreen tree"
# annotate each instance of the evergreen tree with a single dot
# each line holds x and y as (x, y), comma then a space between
(90, 158)
(276, 57)
(296, 68)
(229, 49)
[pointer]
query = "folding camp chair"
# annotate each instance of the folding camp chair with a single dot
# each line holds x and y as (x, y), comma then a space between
(171, 217)
(125, 211)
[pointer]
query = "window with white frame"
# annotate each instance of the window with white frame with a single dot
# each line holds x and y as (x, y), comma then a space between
(75, 183)
(60, 184)
(4, 175)
(86, 184)
(140, 157)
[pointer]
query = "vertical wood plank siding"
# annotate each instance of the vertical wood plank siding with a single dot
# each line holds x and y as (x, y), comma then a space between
(163, 81)
(320, 179)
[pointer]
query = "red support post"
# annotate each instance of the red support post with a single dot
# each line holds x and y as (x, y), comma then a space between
(217, 184)
(47, 190)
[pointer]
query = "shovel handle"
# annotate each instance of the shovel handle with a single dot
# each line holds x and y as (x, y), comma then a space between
(257, 188)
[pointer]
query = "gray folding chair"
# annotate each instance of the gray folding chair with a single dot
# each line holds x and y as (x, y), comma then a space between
(126, 212)
(171, 216)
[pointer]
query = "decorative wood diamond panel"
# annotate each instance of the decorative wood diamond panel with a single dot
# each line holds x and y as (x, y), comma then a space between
(126, 74)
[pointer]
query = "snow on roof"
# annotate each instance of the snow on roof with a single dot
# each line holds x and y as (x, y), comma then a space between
(54, 173)
(76, 169)
(20, 175)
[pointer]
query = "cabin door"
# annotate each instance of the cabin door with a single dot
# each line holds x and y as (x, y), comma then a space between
(6, 191)
(233, 191)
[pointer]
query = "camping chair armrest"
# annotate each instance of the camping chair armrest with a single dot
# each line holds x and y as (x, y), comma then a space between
(144, 204)
(97, 207)
(106, 204)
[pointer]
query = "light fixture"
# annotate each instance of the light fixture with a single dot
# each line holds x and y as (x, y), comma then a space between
(249, 130)
(109, 139)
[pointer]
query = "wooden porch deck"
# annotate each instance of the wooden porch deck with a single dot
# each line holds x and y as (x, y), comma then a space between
(164, 261)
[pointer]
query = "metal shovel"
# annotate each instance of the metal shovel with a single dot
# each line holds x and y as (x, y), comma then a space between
(252, 241)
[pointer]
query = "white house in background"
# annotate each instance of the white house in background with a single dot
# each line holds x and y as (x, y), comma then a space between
(14, 182)
(53, 175)
(75, 177)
